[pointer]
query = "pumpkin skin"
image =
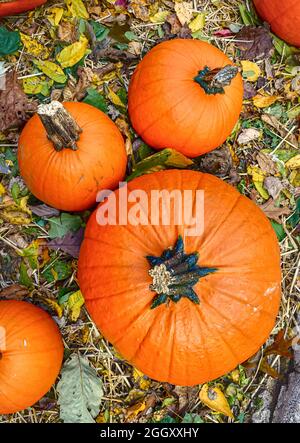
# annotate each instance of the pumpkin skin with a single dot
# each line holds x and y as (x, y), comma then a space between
(31, 355)
(18, 6)
(168, 109)
(283, 17)
(184, 343)
(70, 180)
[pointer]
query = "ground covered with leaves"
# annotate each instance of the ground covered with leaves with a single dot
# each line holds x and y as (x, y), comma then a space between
(86, 51)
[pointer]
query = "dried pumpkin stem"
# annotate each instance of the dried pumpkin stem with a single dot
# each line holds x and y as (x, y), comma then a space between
(213, 81)
(61, 127)
(174, 275)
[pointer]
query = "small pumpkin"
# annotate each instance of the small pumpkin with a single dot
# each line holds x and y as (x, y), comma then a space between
(31, 353)
(283, 17)
(183, 310)
(185, 95)
(18, 6)
(68, 153)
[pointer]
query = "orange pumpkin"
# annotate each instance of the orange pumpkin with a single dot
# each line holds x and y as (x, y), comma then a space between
(31, 353)
(283, 17)
(18, 6)
(179, 97)
(183, 310)
(68, 153)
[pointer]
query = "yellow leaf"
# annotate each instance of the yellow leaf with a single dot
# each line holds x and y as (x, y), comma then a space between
(214, 398)
(140, 378)
(184, 12)
(55, 306)
(134, 410)
(159, 17)
(294, 178)
(263, 101)
(17, 214)
(72, 54)
(115, 99)
(74, 303)
(198, 23)
(2, 190)
(37, 85)
(33, 47)
(251, 71)
(77, 8)
(293, 163)
(55, 15)
(258, 177)
(52, 70)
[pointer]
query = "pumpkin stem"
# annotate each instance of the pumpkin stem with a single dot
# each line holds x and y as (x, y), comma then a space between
(61, 127)
(214, 80)
(175, 274)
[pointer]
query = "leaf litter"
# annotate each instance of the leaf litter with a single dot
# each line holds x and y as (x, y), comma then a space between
(86, 51)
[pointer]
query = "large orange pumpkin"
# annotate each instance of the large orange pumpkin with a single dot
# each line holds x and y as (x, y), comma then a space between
(31, 353)
(183, 310)
(18, 6)
(68, 153)
(283, 16)
(179, 98)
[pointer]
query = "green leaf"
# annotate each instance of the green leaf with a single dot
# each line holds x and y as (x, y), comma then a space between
(192, 418)
(52, 70)
(80, 391)
(10, 41)
(294, 219)
(100, 31)
(283, 49)
(24, 277)
(131, 36)
(59, 226)
(160, 160)
(95, 99)
(278, 230)
(168, 419)
(58, 270)
(15, 192)
(247, 17)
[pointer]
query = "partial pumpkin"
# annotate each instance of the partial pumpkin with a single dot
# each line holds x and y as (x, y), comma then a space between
(283, 17)
(18, 6)
(68, 153)
(185, 95)
(31, 353)
(183, 309)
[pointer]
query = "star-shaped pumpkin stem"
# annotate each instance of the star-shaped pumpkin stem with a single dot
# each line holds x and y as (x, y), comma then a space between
(174, 275)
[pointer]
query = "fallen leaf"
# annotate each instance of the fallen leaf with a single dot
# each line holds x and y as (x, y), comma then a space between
(267, 369)
(258, 177)
(33, 47)
(266, 163)
(263, 101)
(214, 398)
(141, 380)
(184, 12)
(14, 292)
(273, 211)
(248, 134)
(52, 70)
(44, 210)
(10, 41)
(115, 99)
(69, 243)
(54, 15)
(74, 303)
(280, 346)
(198, 23)
(250, 70)
(77, 8)
(80, 391)
(73, 53)
(255, 42)
(218, 162)
(293, 163)
(15, 106)
(159, 17)
(60, 226)
(274, 186)
(54, 306)
(67, 32)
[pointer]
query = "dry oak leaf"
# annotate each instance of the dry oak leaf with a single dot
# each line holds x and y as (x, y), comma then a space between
(255, 42)
(14, 292)
(184, 12)
(266, 163)
(247, 135)
(274, 212)
(14, 104)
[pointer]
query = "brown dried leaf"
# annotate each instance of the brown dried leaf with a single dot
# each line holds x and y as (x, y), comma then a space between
(218, 162)
(274, 186)
(67, 32)
(14, 292)
(266, 163)
(273, 212)
(280, 346)
(255, 42)
(14, 104)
